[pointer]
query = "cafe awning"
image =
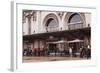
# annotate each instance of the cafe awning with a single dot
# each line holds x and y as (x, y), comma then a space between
(57, 42)
(75, 41)
(69, 34)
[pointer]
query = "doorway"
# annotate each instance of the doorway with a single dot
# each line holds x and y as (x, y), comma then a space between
(76, 46)
(52, 47)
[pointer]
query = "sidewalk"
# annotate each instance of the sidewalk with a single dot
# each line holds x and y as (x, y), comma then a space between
(45, 59)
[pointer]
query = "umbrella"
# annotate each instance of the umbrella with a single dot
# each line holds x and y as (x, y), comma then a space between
(61, 41)
(57, 42)
(76, 40)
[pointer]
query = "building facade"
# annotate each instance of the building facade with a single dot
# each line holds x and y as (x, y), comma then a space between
(45, 29)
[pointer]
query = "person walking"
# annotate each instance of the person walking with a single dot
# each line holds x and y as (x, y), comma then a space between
(88, 52)
(70, 51)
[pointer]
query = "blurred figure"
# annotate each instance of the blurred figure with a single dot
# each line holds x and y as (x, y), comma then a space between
(25, 52)
(88, 52)
(66, 51)
(70, 51)
(82, 52)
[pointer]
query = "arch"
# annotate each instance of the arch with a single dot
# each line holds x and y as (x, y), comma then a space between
(74, 17)
(47, 17)
(51, 21)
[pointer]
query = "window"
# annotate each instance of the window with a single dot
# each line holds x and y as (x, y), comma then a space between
(75, 21)
(75, 18)
(51, 25)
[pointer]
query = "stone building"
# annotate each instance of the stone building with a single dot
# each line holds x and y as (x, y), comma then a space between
(45, 29)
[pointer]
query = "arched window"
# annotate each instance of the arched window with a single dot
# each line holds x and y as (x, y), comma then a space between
(51, 25)
(75, 21)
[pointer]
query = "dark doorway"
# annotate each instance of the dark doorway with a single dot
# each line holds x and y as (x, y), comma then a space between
(76, 46)
(52, 47)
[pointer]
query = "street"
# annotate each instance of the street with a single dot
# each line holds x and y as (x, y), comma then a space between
(45, 59)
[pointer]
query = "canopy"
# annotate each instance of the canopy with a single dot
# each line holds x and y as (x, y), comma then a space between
(63, 41)
(58, 42)
(76, 40)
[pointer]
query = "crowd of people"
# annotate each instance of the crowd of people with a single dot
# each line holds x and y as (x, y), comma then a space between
(71, 52)
(85, 52)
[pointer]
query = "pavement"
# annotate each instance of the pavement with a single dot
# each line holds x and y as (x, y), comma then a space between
(54, 58)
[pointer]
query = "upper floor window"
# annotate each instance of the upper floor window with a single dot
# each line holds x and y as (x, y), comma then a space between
(51, 25)
(75, 21)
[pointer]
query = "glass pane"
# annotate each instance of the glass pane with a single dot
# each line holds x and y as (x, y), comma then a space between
(75, 18)
(52, 23)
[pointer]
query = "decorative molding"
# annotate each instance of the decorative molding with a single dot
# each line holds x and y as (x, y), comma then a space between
(60, 14)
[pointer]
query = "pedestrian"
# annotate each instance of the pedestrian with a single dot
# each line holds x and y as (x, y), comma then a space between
(88, 52)
(81, 52)
(70, 51)
(34, 51)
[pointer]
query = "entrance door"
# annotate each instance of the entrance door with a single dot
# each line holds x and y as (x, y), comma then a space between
(73, 46)
(52, 47)
(76, 46)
